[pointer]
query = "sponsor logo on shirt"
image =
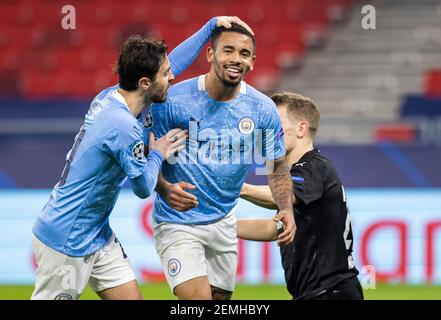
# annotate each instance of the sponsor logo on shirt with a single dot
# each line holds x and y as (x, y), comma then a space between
(298, 179)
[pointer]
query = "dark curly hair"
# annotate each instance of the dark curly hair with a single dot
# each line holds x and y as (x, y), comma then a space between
(234, 28)
(139, 57)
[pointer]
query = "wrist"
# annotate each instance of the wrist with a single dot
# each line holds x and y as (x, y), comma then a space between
(156, 153)
(244, 190)
(212, 23)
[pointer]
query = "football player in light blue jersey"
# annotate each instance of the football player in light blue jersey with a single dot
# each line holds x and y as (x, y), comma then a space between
(227, 120)
(73, 242)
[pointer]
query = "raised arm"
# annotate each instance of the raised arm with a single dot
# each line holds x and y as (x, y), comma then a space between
(185, 53)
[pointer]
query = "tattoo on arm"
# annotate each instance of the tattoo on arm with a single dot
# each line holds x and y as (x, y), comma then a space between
(281, 186)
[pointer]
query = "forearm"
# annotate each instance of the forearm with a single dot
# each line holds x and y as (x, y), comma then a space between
(185, 53)
(162, 185)
(259, 195)
(144, 184)
(280, 183)
(256, 229)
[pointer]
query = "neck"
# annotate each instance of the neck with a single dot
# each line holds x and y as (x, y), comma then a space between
(298, 152)
(135, 101)
(217, 90)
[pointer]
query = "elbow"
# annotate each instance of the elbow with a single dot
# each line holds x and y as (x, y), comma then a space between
(143, 194)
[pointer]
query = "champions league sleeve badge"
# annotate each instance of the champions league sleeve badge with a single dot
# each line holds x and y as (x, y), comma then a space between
(148, 120)
(246, 125)
(138, 150)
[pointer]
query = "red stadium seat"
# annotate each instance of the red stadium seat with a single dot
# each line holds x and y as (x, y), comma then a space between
(264, 79)
(39, 47)
(395, 132)
(432, 83)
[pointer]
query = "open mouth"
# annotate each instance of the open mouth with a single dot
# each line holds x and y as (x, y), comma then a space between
(233, 72)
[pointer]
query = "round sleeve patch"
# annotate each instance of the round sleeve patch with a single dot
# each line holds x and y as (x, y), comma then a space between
(138, 150)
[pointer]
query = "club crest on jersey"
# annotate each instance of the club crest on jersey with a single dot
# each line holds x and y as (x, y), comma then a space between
(148, 120)
(174, 266)
(64, 296)
(138, 150)
(246, 125)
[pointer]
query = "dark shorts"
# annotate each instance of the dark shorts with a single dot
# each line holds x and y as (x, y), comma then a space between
(349, 290)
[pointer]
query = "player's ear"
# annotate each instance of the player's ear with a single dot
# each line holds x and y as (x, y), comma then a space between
(252, 62)
(210, 54)
(302, 129)
(144, 83)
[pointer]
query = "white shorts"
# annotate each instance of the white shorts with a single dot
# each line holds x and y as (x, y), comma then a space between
(62, 277)
(190, 251)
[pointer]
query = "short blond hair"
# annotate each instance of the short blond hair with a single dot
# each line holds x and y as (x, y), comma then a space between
(301, 108)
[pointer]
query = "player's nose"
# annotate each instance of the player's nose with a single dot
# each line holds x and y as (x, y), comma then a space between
(234, 58)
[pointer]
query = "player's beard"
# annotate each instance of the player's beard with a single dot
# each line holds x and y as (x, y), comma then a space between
(220, 73)
(159, 96)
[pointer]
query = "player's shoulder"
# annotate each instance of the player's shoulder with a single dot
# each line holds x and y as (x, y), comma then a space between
(188, 86)
(318, 162)
(255, 94)
(108, 110)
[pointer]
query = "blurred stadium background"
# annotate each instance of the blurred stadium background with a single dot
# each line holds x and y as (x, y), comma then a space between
(379, 92)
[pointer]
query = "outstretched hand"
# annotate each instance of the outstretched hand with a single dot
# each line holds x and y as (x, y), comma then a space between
(178, 198)
(226, 21)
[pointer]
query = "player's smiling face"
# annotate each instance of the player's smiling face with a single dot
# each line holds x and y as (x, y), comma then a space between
(232, 58)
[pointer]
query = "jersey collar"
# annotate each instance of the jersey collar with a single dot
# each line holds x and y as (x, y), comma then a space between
(306, 157)
(201, 85)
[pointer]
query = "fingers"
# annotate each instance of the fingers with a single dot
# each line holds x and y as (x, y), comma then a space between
(175, 134)
(181, 207)
(226, 21)
(181, 204)
(178, 141)
(151, 138)
(173, 151)
(287, 236)
(186, 185)
(182, 199)
(243, 24)
(182, 194)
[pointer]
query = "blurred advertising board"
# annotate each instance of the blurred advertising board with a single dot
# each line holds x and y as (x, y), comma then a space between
(397, 236)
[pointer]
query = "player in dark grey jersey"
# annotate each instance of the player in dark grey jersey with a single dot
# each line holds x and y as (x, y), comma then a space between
(318, 264)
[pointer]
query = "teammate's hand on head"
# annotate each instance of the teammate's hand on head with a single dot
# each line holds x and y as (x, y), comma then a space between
(287, 218)
(169, 144)
(226, 21)
(178, 198)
